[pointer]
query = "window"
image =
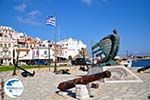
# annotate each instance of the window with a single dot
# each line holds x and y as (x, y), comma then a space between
(27, 45)
(1, 53)
(37, 52)
(27, 52)
(9, 45)
(5, 45)
(1, 34)
(45, 52)
(9, 52)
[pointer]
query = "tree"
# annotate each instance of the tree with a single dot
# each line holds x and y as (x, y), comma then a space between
(70, 57)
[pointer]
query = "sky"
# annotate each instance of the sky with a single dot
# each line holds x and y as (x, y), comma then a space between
(85, 20)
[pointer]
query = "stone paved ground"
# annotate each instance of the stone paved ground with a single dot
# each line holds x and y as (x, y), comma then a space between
(44, 85)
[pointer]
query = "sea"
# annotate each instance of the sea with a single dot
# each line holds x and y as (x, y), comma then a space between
(140, 63)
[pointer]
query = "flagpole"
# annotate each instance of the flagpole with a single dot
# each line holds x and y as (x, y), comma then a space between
(55, 64)
(49, 61)
(51, 20)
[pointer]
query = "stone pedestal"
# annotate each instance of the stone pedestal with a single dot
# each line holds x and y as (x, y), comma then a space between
(81, 92)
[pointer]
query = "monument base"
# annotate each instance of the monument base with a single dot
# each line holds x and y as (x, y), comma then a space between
(81, 92)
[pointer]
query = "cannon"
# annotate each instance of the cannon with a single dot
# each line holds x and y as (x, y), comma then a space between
(63, 86)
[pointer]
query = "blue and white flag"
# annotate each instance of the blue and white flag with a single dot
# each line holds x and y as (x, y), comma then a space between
(51, 20)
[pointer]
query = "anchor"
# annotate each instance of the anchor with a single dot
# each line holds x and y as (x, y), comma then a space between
(25, 73)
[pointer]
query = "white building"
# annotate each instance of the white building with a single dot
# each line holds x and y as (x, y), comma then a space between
(71, 47)
(7, 42)
(35, 53)
(35, 50)
(12, 42)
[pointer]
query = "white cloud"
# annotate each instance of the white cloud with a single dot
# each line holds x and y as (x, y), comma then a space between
(21, 7)
(34, 13)
(29, 16)
(28, 20)
(88, 2)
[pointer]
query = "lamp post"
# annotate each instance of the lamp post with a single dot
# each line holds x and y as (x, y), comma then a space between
(92, 52)
(55, 64)
(49, 57)
(16, 61)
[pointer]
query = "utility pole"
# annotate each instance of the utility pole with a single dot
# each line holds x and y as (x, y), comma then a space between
(127, 53)
(83, 53)
(55, 48)
(92, 53)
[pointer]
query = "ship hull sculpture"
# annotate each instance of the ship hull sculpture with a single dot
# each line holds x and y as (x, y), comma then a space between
(84, 80)
(106, 49)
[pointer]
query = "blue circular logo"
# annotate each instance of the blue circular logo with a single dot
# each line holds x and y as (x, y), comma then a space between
(13, 88)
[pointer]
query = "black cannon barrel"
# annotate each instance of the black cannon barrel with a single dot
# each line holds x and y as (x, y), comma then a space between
(84, 80)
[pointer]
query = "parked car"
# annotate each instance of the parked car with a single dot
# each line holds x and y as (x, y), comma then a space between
(88, 62)
(81, 61)
(41, 62)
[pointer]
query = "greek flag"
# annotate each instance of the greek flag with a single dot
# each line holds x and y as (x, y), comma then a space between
(51, 20)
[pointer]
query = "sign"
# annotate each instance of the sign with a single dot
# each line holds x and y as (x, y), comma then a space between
(13, 88)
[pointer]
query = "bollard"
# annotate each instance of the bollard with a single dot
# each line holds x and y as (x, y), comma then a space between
(81, 92)
(2, 89)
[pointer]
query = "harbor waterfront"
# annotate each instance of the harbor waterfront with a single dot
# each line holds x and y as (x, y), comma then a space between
(117, 81)
(74, 50)
(43, 86)
(140, 63)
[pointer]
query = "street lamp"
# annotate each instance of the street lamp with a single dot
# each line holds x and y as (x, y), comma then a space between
(49, 46)
(55, 65)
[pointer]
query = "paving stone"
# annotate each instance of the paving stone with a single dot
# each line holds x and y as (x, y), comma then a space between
(106, 98)
(139, 98)
(62, 93)
(44, 85)
(117, 98)
(141, 92)
(127, 98)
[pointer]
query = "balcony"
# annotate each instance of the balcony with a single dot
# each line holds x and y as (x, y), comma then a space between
(5, 56)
